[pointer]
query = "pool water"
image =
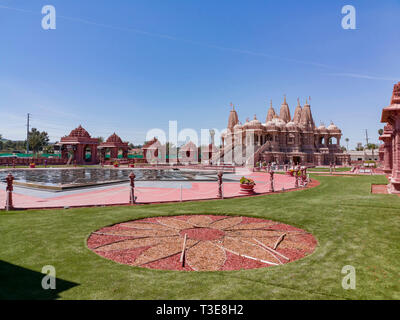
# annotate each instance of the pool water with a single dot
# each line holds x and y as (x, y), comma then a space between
(87, 176)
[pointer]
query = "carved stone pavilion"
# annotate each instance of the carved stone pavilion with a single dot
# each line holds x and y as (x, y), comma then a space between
(79, 147)
(113, 146)
(391, 139)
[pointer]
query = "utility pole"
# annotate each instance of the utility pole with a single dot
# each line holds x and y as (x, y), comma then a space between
(366, 147)
(27, 133)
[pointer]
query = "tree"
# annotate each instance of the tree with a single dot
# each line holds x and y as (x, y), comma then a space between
(347, 143)
(100, 139)
(37, 139)
(359, 147)
(48, 149)
(372, 147)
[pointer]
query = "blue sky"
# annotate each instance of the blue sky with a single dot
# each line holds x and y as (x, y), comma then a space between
(129, 66)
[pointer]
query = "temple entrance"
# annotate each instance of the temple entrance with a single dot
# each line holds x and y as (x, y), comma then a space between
(88, 154)
(296, 160)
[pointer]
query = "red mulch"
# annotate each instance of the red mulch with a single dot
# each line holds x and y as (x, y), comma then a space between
(124, 256)
(203, 234)
(170, 263)
(298, 244)
(97, 240)
(235, 262)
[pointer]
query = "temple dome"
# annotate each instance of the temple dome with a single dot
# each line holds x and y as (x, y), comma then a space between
(279, 122)
(247, 124)
(333, 127)
(291, 125)
(79, 132)
(322, 128)
(114, 138)
(255, 123)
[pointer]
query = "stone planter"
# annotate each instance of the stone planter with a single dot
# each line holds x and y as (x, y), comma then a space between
(247, 189)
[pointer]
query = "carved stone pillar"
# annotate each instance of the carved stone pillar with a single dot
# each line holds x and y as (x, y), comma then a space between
(132, 198)
(220, 195)
(9, 190)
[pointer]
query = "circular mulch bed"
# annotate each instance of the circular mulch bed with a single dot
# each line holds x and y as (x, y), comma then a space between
(202, 243)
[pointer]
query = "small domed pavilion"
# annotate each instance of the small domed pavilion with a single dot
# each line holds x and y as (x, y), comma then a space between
(79, 147)
(113, 145)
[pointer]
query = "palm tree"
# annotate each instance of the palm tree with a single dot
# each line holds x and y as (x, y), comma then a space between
(380, 132)
(372, 147)
(347, 143)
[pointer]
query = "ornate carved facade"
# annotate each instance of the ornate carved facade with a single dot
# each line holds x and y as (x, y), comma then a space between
(283, 139)
(391, 139)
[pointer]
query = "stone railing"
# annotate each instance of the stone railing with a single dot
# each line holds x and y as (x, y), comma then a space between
(11, 161)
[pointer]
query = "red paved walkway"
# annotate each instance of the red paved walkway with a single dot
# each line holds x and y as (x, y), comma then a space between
(120, 195)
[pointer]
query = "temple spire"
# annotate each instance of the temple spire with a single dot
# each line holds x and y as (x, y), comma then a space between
(284, 113)
(271, 113)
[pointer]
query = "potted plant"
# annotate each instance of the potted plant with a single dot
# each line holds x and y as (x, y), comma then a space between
(32, 165)
(116, 164)
(290, 172)
(264, 165)
(131, 165)
(247, 185)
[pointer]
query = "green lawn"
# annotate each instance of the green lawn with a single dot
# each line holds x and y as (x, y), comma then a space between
(323, 169)
(353, 227)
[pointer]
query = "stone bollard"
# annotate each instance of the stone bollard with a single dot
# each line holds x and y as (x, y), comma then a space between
(132, 198)
(330, 168)
(303, 176)
(220, 195)
(9, 190)
(271, 180)
(45, 163)
(296, 173)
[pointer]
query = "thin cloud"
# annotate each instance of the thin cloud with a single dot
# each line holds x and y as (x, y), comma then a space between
(173, 38)
(362, 76)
